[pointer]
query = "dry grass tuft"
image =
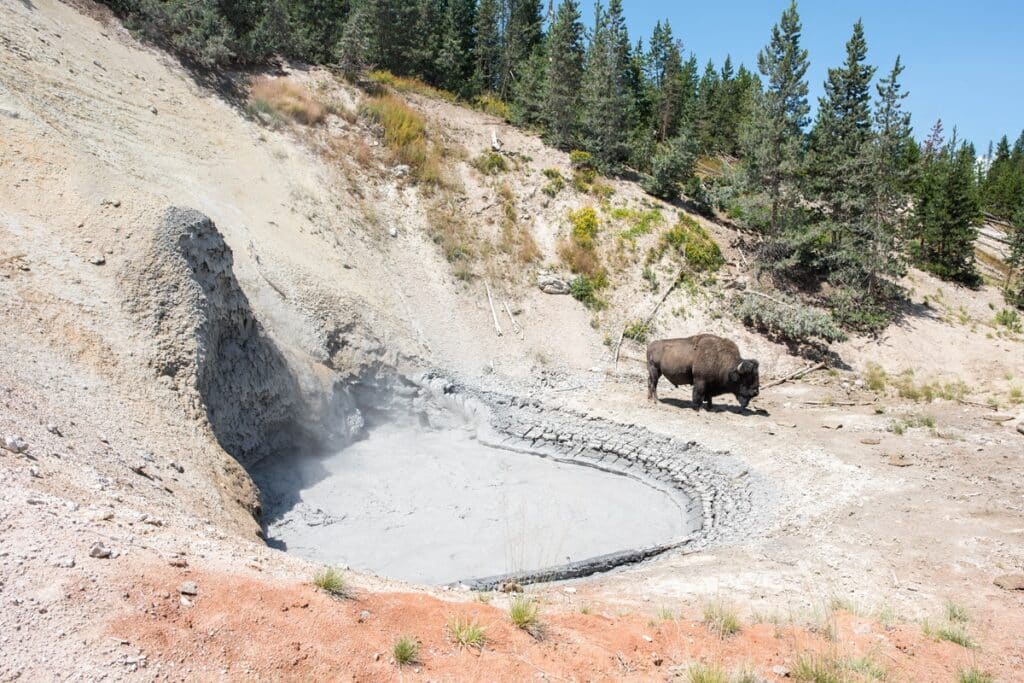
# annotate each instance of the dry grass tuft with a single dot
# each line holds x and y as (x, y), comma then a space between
(284, 98)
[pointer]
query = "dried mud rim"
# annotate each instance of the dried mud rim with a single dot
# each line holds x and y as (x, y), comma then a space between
(731, 501)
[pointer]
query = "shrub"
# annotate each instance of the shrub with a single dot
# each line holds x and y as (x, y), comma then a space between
(285, 98)
(331, 581)
(585, 288)
(555, 184)
(672, 164)
(581, 161)
(1009, 319)
(639, 222)
(467, 632)
(788, 321)
(957, 613)
(585, 225)
(721, 620)
(911, 422)
(875, 377)
(523, 612)
(637, 331)
(413, 85)
(693, 243)
(490, 163)
(406, 650)
(949, 632)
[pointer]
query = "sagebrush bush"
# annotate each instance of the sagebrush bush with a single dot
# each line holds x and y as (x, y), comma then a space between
(581, 160)
(584, 288)
(788, 321)
(637, 331)
(671, 165)
(286, 98)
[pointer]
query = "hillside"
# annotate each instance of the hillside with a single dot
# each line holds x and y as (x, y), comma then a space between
(149, 359)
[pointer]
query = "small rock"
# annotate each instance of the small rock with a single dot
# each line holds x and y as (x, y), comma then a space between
(53, 429)
(648, 639)
(376, 656)
(15, 444)
(871, 441)
(1010, 582)
(400, 171)
(997, 418)
(153, 110)
(102, 516)
(34, 472)
(65, 563)
(99, 550)
(899, 460)
(176, 467)
(393, 231)
(1020, 427)
(98, 260)
(179, 562)
(569, 589)
(189, 588)
(780, 670)
(185, 602)
(363, 616)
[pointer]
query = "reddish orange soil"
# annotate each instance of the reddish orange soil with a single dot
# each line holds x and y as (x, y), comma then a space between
(250, 628)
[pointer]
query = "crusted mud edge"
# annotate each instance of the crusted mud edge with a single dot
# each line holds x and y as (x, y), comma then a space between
(730, 499)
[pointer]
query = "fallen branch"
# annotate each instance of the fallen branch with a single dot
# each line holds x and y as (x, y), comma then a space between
(975, 403)
(795, 375)
(490, 301)
(838, 403)
(516, 329)
(770, 298)
(618, 347)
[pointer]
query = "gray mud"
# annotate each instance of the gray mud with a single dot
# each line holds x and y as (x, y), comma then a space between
(434, 506)
(450, 483)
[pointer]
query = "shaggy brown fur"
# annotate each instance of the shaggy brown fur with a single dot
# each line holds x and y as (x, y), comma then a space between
(711, 364)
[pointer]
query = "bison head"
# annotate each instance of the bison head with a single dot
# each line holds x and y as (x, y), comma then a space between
(745, 381)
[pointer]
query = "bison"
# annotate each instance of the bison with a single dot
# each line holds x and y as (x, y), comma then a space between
(711, 364)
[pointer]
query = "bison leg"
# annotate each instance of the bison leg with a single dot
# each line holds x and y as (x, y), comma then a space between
(708, 401)
(653, 375)
(698, 395)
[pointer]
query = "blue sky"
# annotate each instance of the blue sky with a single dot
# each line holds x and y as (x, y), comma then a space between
(964, 60)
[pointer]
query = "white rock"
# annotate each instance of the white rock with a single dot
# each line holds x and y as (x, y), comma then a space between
(99, 550)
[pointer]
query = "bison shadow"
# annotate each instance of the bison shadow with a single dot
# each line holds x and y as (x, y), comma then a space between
(718, 408)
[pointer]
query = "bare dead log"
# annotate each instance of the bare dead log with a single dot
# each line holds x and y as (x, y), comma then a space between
(516, 328)
(795, 375)
(494, 315)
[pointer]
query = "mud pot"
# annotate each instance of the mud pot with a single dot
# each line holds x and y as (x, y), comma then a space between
(447, 485)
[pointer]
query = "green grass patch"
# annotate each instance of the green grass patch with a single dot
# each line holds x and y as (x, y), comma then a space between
(957, 613)
(412, 85)
(405, 135)
(722, 620)
(332, 582)
(875, 377)
(405, 650)
(901, 425)
(706, 673)
(637, 331)
(524, 613)
(467, 632)
(1009, 319)
(585, 288)
(489, 104)
(952, 633)
(819, 669)
(638, 222)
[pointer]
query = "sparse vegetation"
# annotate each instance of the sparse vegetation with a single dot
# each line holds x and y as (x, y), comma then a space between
(1009, 319)
(956, 613)
(515, 239)
(638, 222)
(818, 669)
(523, 612)
(405, 134)
(407, 84)
(637, 331)
(490, 163)
(900, 426)
(866, 666)
(706, 673)
(331, 581)
(665, 614)
(467, 632)
(584, 288)
(283, 98)
(406, 650)
(875, 377)
(722, 620)
(555, 184)
(489, 104)
(585, 225)
(953, 633)
(973, 675)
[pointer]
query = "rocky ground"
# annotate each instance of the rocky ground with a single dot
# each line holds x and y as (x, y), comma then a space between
(134, 357)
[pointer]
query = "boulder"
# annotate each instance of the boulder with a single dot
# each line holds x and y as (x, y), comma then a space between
(552, 284)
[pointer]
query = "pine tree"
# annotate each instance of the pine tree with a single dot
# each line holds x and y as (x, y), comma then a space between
(488, 46)
(455, 66)
(606, 103)
(523, 34)
(561, 92)
(668, 82)
(706, 111)
(1015, 260)
(773, 140)
(429, 32)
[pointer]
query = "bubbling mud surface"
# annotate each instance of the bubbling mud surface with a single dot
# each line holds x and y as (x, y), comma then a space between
(434, 506)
